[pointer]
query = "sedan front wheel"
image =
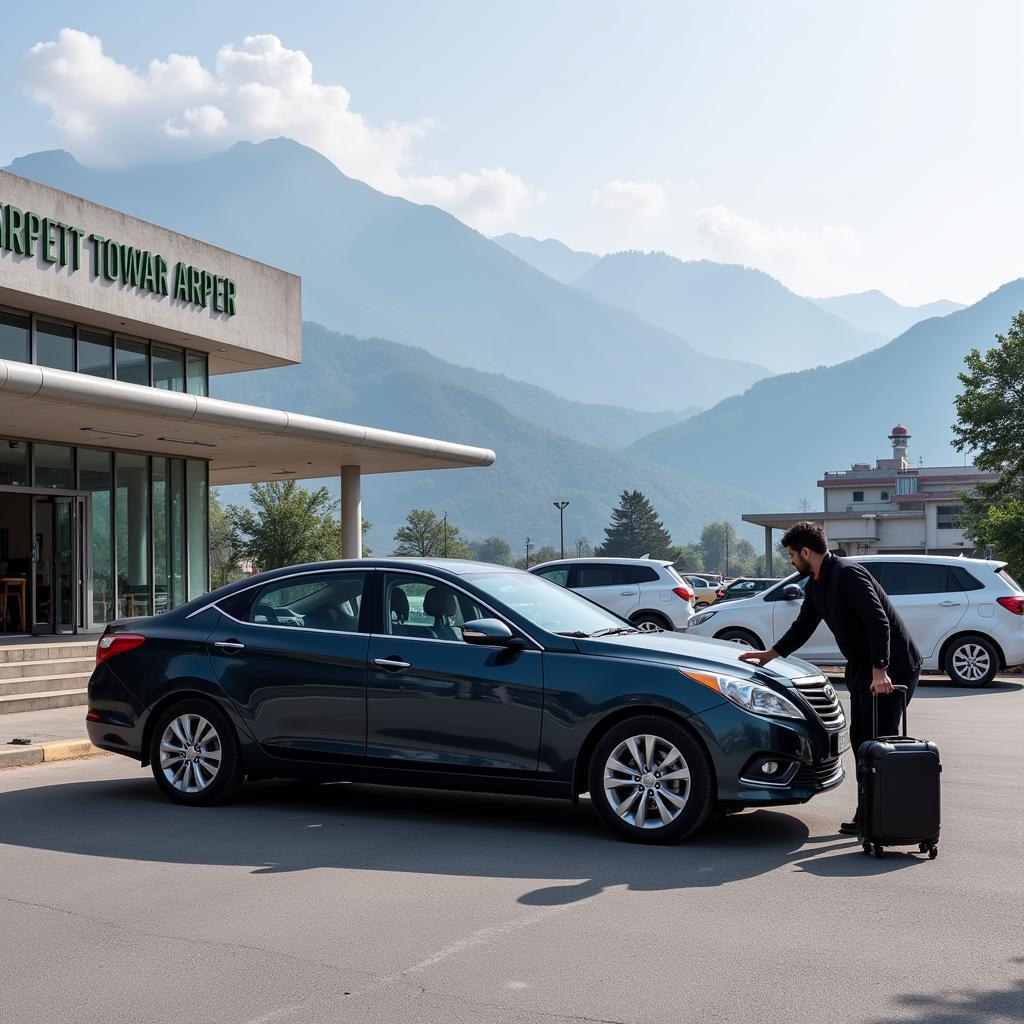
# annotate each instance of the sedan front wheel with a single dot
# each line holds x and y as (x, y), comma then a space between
(650, 780)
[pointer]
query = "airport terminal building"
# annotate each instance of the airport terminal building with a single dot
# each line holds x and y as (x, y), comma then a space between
(110, 330)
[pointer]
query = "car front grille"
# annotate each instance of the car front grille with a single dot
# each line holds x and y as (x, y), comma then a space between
(818, 692)
(817, 774)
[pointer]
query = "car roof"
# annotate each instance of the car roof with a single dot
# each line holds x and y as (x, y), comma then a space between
(925, 559)
(596, 560)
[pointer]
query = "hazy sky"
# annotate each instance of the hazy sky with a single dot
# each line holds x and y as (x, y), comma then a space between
(838, 146)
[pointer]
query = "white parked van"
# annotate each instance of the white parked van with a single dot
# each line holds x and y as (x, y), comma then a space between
(966, 615)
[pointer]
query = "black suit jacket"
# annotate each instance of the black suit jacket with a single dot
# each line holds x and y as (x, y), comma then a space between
(868, 630)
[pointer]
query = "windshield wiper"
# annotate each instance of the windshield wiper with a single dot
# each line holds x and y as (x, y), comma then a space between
(616, 630)
(576, 633)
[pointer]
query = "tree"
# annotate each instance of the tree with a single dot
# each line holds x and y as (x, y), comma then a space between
(988, 426)
(426, 536)
(547, 553)
(583, 548)
(224, 558)
(287, 525)
(492, 549)
(718, 540)
(635, 530)
(689, 558)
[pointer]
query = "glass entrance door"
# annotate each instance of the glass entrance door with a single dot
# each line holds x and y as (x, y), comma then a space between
(58, 564)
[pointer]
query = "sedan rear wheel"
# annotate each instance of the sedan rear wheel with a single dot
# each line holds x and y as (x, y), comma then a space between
(743, 637)
(194, 753)
(650, 780)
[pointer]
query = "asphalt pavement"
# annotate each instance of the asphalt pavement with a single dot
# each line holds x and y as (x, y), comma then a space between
(352, 903)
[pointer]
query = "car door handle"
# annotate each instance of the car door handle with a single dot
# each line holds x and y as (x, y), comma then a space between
(394, 663)
(230, 646)
(949, 604)
(625, 593)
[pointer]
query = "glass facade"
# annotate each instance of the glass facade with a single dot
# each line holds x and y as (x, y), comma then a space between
(95, 353)
(55, 345)
(14, 337)
(28, 339)
(143, 529)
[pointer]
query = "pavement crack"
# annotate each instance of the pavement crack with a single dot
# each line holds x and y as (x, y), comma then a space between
(119, 935)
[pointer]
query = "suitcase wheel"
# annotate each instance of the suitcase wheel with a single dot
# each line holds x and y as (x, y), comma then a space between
(879, 852)
(867, 848)
(933, 852)
(922, 847)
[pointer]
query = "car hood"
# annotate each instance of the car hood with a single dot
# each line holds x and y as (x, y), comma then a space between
(697, 652)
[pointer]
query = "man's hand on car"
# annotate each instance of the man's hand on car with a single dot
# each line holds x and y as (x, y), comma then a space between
(880, 681)
(760, 657)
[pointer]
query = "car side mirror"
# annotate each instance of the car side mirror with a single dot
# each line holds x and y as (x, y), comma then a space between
(791, 592)
(487, 633)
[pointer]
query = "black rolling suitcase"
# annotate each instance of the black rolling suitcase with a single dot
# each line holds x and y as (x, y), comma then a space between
(898, 788)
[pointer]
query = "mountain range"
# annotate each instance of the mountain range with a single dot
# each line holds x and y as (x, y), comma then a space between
(549, 256)
(376, 265)
(779, 437)
(384, 384)
(875, 311)
(736, 312)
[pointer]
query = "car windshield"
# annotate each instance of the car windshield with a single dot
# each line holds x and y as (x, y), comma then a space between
(546, 604)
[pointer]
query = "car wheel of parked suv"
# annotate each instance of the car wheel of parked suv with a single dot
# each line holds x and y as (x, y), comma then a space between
(971, 661)
(650, 780)
(194, 753)
(650, 617)
(743, 637)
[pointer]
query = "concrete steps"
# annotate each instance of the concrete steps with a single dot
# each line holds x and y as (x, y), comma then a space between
(34, 677)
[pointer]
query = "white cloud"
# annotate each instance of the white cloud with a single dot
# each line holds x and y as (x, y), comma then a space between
(112, 115)
(731, 236)
(639, 199)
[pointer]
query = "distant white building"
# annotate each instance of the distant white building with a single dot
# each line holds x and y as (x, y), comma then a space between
(889, 508)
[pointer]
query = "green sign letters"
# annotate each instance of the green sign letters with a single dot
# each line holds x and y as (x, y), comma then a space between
(28, 234)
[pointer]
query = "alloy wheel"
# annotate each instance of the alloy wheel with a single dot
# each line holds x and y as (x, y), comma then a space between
(971, 662)
(190, 753)
(646, 781)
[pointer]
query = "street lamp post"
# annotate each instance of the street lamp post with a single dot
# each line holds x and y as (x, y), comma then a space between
(560, 505)
(528, 544)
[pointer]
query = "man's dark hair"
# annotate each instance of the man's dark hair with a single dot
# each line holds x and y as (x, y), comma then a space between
(806, 535)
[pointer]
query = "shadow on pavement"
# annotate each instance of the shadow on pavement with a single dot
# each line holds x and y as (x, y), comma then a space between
(285, 826)
(965, 1006)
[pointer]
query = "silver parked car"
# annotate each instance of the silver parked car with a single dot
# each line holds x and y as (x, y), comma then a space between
(642, 590)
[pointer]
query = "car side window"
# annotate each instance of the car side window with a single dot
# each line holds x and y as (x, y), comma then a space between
(638, 574)
(556, 575)
(427, 609)
(595, 576)
(902, 578)
(329, 602)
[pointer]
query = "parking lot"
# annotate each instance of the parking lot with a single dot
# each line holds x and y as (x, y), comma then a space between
(355, 903)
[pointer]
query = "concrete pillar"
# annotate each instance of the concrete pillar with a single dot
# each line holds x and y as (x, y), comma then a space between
(768, 551)
(351, 513)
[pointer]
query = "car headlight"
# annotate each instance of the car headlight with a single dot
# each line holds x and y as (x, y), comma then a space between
(752, 697)
(698, 620)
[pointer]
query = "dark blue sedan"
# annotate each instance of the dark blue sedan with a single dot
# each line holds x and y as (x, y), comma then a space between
(465, 675)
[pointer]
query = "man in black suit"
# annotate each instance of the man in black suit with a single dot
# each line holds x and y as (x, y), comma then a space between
(868, 631)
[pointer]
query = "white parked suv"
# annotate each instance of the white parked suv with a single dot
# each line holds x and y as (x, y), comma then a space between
(966, 615)
(639, 589)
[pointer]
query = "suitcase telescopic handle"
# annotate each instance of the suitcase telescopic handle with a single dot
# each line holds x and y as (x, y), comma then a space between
(874, 709)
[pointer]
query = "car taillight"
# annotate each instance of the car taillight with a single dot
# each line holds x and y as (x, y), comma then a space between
(1013, 604)
(684, 592)
(117, 643)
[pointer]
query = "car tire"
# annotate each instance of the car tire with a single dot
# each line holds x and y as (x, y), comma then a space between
(971, 661)
(195, 755)
(643, 809)
(702, 604)
(743, 637)
(654, 619)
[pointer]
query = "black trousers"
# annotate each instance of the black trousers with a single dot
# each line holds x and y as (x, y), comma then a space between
(890, 707)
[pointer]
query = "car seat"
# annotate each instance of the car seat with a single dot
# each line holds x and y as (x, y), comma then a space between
(442, 604)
